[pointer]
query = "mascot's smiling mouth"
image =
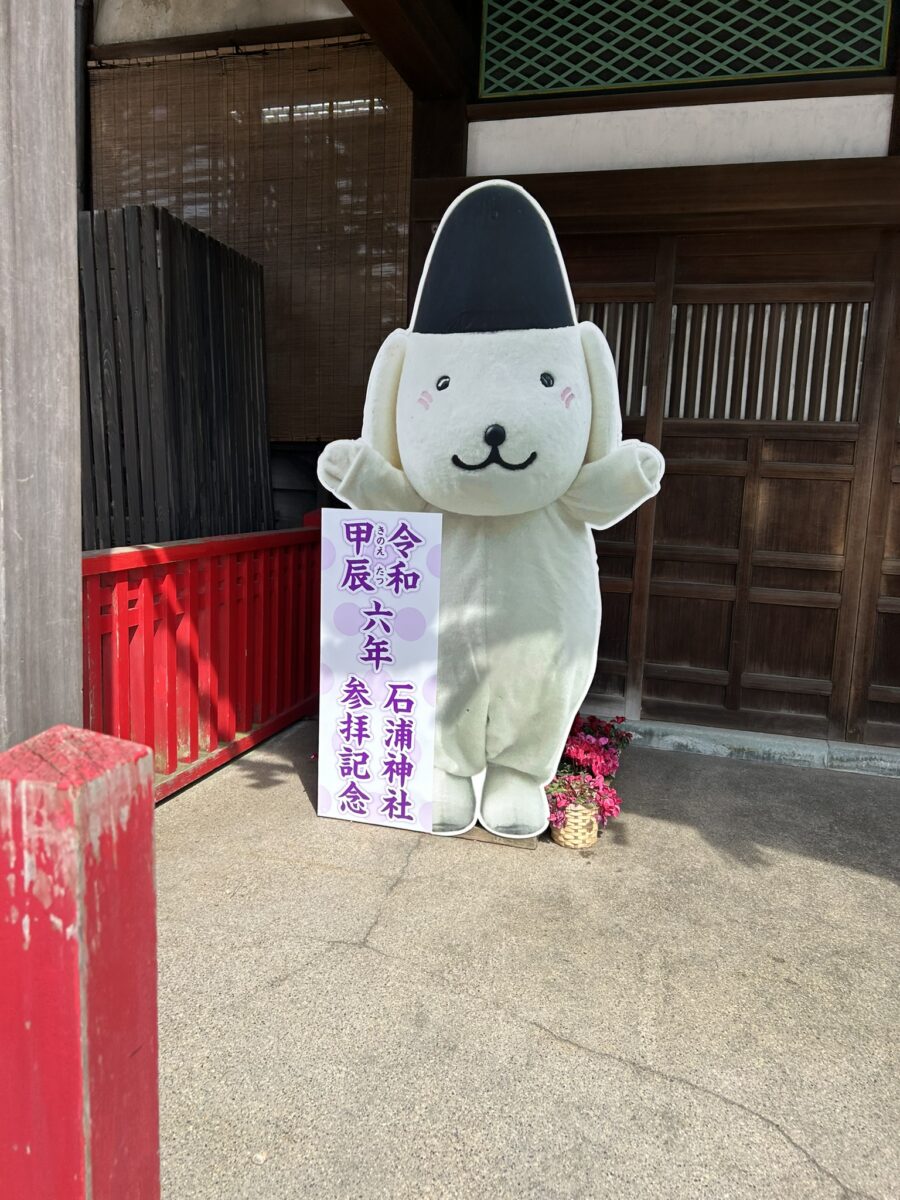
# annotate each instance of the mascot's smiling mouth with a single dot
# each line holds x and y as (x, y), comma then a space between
(495, 436)
(494, 457)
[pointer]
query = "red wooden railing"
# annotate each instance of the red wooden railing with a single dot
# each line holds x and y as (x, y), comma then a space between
(201, 649)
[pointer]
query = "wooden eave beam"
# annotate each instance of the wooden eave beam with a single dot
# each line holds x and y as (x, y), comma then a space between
(427, 44)
(265, 35)
(833, 192)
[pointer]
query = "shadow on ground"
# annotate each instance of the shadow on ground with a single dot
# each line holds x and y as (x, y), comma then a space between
(704, 1005)
(740, 808)
(744, 810)
(279, 760)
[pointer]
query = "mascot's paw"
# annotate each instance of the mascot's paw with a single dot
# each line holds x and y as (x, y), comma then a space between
(335, 462)
(453, 804)
(513, 804)
(652, 464)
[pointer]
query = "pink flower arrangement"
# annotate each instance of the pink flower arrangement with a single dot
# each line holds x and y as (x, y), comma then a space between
(589, 760)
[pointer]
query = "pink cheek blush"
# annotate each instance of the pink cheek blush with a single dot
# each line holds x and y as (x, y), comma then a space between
(567, 396)
(425, 399)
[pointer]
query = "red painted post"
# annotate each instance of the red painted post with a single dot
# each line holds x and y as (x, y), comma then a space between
(274, 667)
(261, 625)
(168, 667)
(291, 633)
(145, 609)
(78, 1035)
(228, 675)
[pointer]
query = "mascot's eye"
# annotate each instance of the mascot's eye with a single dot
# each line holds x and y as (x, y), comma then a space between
(547, 379)
(443, 383)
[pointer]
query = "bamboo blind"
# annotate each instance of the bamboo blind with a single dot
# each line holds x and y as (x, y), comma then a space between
(298, 156)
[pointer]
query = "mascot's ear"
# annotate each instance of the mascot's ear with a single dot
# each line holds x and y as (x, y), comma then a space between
(606, 421)
(379, 427)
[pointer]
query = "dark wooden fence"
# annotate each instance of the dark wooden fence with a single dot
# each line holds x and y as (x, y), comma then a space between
(174, 435)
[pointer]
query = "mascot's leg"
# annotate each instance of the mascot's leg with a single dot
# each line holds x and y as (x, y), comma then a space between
(528, 721)
(513, 803)
(523, 743)
(453, 804)
(462, 701)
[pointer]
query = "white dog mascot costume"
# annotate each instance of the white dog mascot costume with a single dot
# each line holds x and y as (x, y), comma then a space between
(498, 410)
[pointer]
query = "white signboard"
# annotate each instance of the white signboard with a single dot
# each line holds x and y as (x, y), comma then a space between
(378, 676)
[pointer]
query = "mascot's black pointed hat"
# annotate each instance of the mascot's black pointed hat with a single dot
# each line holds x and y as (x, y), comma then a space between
(494, 265)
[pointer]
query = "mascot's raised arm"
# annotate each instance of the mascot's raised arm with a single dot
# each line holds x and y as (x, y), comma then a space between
(499, 410)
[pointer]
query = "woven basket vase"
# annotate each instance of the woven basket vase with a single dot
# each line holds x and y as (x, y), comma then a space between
(579, 831)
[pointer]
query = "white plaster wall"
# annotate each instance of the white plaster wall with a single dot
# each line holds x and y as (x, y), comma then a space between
(144, 20)
(755, 131)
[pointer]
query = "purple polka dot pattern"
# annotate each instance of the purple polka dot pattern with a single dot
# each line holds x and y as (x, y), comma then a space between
(324, 805)
(429, 690)
(347, 619)
(433, 561)
(425, 818)
(377, 685)
(328, 553)
(409, 624)
(326, 678)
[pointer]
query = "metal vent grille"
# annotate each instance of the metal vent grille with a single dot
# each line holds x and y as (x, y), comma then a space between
(531, 48)
(767, 362)
(626, 326)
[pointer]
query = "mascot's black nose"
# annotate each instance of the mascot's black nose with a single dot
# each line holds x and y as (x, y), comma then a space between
(495, 435)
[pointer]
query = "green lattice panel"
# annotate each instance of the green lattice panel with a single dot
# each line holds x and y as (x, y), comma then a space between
(540, 46)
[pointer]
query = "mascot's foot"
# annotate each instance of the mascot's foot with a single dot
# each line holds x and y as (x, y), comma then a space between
(513, 804)
(453, 804)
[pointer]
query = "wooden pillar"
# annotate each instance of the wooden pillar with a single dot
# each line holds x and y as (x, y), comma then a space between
(84, 23)
(879, 417)
(432, 48)
(78, 1041)
(658, 367)
(439, 145)
(40, 502)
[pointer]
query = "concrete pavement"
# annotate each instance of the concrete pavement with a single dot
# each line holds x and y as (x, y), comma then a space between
(705, 1005)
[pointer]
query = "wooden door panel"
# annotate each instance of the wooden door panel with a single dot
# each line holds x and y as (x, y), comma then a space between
(616, 566)
(684, 447)
(787, 244)
(710, 269)
(892, 534)
(663, 697)
(795, 642)
(797, 450)
(699, 510)
(796, 579)
(690, 632)
(883, 693)
(886, 667)
(696, 569)
(613, 648)
(791, 707)
(623, 533)
(803, 516)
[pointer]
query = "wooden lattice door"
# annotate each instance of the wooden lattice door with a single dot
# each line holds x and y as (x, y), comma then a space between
(759, 590)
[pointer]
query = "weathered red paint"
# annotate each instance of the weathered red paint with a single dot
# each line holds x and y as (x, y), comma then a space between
(78, 1086)
(202, 649)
